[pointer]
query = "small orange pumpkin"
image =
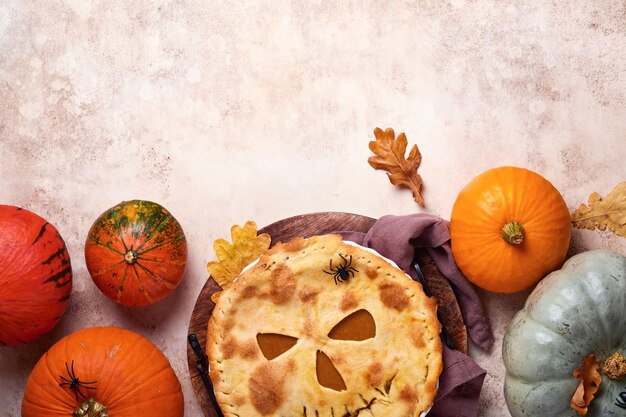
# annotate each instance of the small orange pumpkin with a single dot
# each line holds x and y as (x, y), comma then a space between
(136, 253)
(103, 371)
(509, 228)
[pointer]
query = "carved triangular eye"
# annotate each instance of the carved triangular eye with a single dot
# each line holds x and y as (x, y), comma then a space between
(273, 344)
(327, 375)
(358, 326)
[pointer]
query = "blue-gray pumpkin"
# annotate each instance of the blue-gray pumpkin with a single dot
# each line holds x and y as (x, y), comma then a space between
(572, 313)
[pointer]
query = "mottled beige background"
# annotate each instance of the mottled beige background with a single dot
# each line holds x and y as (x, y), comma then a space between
(228, 111)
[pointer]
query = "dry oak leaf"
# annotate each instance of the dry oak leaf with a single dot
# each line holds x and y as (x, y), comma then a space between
(234, 257)
(604, 212)
(590, 380)
(390, 152)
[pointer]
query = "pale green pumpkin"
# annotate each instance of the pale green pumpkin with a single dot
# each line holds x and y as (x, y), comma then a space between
(573, 312)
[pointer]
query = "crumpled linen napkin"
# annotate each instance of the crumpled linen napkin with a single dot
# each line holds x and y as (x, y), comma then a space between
(396, 237)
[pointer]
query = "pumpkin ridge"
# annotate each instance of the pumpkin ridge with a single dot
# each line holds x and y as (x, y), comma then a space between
(102, 245)
(47, 409)
(534, 222)
(146, 215)
(59, 395)
(539, 223)
(142, 289)
(592, 304)
(115, 401)
(162, 261)
(477, 213)
(156, 277)
(161, 395)
(489, 243)
(558, 277)
(104, 387)
(154, 231)
(542, 324)
(120, 288)
(108, 268)
(117, 222)
(173, 240)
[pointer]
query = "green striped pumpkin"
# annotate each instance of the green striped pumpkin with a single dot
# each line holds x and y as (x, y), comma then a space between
(136, 253)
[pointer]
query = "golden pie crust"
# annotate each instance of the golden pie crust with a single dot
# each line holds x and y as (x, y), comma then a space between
(287, 292)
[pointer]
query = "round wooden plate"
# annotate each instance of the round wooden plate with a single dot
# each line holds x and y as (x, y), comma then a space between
(309, 225)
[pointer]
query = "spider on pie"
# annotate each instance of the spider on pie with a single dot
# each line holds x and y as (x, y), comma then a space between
(343, 272)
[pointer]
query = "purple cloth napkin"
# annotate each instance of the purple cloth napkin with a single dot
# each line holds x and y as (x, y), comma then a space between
(396, 237)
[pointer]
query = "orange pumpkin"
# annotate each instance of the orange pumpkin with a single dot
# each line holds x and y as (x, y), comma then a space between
(35, 276)
(103, 371)
(509, 228)
(136, 253)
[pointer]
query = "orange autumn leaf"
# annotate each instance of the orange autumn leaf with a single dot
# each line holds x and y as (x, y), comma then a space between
(590, 380)
(390, 156)
(233, 257)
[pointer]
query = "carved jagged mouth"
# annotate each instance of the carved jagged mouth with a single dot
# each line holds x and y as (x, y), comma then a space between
(367, 407)
(367, 404)
(347, 413)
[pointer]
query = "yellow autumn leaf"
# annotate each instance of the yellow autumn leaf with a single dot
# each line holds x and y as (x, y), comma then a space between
(390, 156)
(233, 257)
(608, 212)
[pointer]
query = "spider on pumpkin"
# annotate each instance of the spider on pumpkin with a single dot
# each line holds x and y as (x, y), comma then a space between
(74, 383)
(342, 272)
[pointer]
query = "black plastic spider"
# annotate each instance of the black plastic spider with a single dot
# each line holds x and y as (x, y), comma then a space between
(343, 271)
(620, 401)
(74, 383)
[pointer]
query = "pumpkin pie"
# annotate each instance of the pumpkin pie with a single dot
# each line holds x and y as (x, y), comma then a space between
(322, 328)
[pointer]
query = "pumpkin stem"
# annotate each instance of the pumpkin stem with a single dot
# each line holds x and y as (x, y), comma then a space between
(615, 366)
(91, 408)
(131, 256)
(513, 233)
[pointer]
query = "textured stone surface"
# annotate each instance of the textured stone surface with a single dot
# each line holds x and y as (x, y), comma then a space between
(228, 111)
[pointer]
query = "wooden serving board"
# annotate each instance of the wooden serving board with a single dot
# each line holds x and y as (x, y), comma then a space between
(309, 225)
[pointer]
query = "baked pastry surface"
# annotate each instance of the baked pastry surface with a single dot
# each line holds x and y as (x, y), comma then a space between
(387, 352)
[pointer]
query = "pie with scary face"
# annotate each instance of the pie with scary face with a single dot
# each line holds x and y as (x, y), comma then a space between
(322, 328)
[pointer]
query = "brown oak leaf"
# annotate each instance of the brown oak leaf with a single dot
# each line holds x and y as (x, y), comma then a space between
(590, 380)
(234, 257)
(604, 212)
(390, 156)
